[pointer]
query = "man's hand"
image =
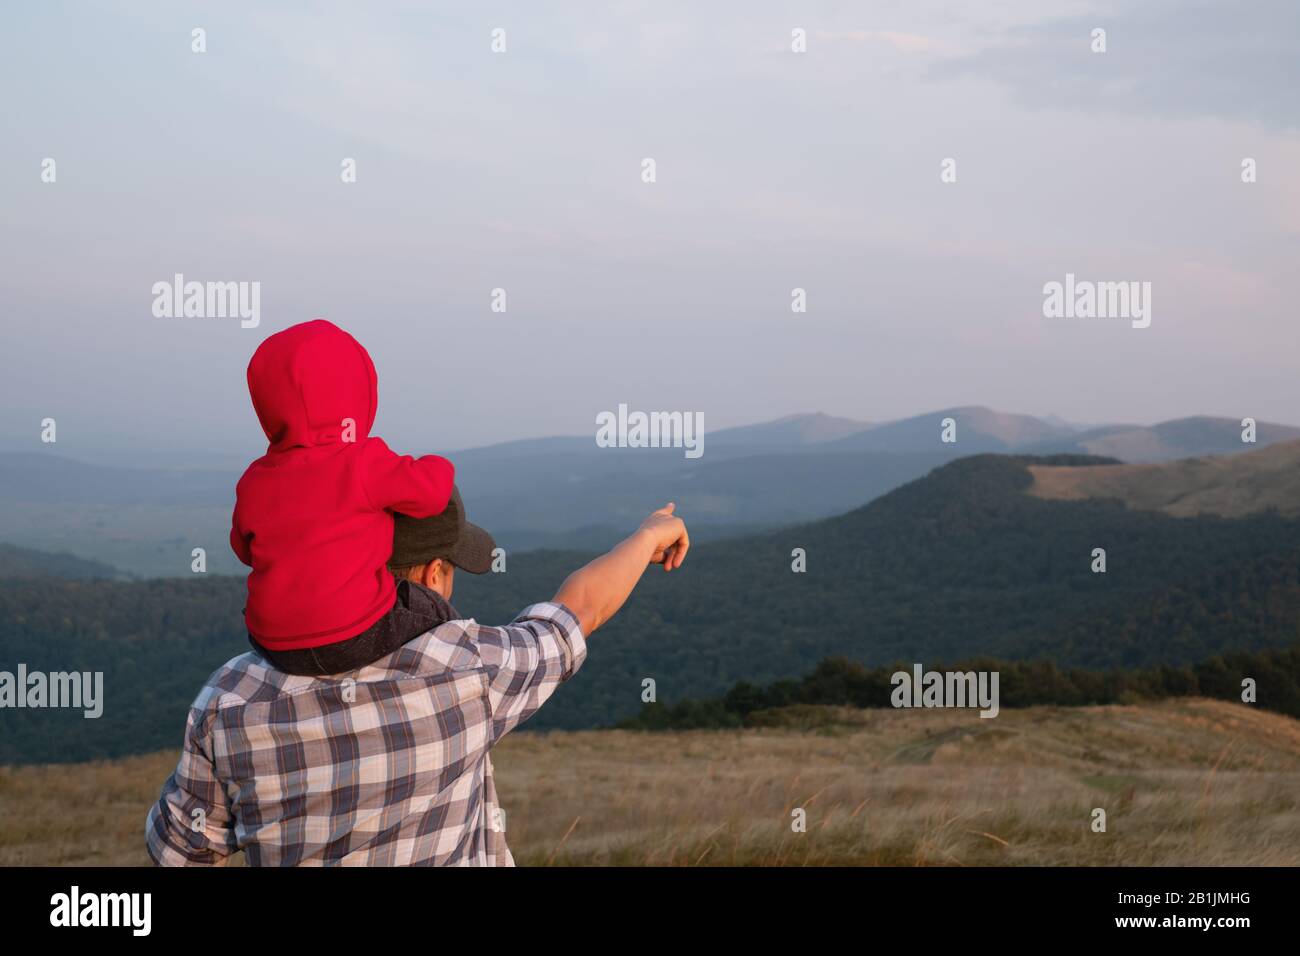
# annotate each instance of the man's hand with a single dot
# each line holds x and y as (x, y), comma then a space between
(593, 593)
(667, 534)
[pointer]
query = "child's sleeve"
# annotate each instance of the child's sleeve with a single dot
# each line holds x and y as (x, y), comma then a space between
(419, 487)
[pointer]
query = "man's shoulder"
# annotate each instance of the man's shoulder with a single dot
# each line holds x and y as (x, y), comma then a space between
(464, 632)
(248, 678)
(456, 643)
(451, 646)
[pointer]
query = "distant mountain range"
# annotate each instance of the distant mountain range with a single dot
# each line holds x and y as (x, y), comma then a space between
(978, 430)
(1181, 438)
(567, 492)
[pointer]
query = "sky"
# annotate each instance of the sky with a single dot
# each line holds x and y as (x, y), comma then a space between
(522, 170)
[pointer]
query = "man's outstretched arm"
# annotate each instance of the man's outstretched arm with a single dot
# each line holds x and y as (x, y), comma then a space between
(595, 592)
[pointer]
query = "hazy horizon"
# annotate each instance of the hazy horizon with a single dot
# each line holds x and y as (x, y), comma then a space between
(183, 458)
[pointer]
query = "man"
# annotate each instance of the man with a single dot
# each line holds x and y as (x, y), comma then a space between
(388, 764)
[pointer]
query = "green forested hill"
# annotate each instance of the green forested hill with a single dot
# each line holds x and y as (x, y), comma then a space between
(837, 682)
(16, 562)
(957, 564)
(155, 641)
(961, 563)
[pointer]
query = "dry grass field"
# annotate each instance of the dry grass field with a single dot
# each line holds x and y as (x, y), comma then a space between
(1229, 486)
(1182, 782)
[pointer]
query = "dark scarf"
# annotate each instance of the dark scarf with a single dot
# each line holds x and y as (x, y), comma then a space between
(416, 611)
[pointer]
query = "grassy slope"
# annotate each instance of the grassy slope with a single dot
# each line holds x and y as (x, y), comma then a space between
(1183, 782)
(1230, 486)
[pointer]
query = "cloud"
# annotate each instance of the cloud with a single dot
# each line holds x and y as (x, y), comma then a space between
(1176, 60)
(901, 42)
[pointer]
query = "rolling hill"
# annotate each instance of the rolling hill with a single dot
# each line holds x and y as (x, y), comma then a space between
(979, 430)
(961, 563)
(1226, 486)
(27, 564)
(1182, 438)
(791, 432)
(982, 430)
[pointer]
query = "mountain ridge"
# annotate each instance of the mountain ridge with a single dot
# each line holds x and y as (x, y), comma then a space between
(790, 470)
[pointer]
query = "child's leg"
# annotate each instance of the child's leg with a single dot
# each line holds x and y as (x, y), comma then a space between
(415, 611)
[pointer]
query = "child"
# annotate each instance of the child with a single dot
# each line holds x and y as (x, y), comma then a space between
(313, 515)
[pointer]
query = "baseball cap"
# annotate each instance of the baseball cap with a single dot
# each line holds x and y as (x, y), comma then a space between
(448, 536)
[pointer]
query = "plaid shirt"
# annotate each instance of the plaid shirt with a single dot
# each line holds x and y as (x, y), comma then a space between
(385, 766)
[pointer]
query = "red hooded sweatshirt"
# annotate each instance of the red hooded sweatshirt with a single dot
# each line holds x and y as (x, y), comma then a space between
(312, 516)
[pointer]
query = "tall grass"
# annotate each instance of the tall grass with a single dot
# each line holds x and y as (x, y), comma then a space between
(1182, 782)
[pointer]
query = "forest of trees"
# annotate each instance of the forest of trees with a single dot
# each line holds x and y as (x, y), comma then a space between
(838, 682)
(16, 562)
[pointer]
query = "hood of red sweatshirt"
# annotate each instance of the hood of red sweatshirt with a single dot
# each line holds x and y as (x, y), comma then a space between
(306, 380)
